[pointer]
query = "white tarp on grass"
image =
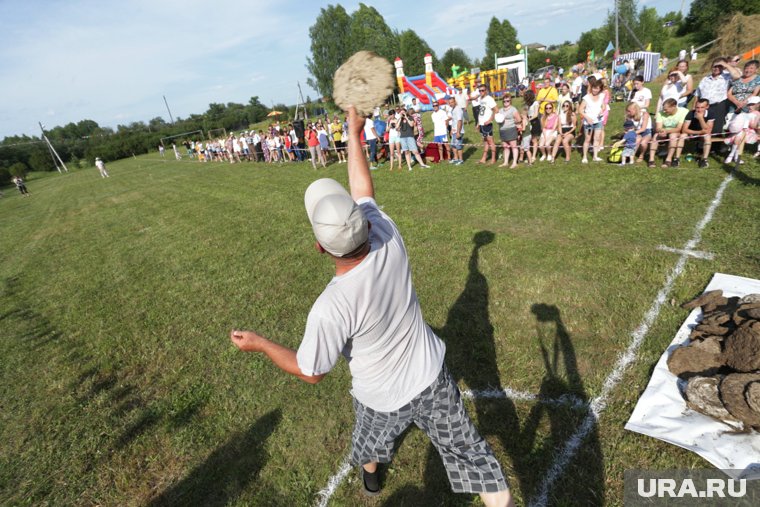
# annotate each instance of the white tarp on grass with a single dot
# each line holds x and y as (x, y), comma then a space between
(662, 412)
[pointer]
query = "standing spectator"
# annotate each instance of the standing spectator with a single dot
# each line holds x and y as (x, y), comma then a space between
(406, 135)
(629, 143)
(394, 139)
(669, 124)
(336, 128)
(461, 101)
(577, 87)
(534, 117)
(312, 141)
(161, 150)
(714, 88)
(748, 85)
(591, 111)
(697, 125)
(420, 136)
(457, 130)
(440, 120)
(324, 142)
(640, 94)
(548, 94)
(485, 120)
(508, 130)
(101, 167)
(564, 95)
(21, 186)
(370, 135)
(416, 105)
(567, 123)
(475, 103)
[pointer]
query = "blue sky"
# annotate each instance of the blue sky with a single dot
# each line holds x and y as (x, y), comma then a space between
(111, 62)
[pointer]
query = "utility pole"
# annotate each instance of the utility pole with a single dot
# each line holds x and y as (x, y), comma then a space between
(53, 153)
(167, 108)
(617, 28)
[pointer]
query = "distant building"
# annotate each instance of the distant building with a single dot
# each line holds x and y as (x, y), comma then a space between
(536, 46)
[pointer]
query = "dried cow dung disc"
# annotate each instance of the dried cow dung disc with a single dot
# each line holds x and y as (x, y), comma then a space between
(704, 299)
(364, 81)
(732, 390)
(752, 313)
(716, 319)
(702, 396)
(742, 349)
(689, 361)
(712, 330)
(709, 344)
(752, 395)
(751, 298)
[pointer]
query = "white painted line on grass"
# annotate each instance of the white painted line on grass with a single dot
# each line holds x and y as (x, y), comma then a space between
(570, 400)
(691, 253)
(332, 485)
(599, 403)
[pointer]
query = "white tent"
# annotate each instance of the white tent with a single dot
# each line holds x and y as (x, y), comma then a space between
(651, 61)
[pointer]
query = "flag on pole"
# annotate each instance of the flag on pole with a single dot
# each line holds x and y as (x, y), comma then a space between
(610, 47)
(649, 47)
(591, 56)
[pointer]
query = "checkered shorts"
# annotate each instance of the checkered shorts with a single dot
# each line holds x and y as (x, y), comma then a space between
(440, 413)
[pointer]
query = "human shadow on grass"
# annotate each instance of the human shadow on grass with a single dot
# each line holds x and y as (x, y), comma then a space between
(740, 175)
(471, 357)
(228, 471)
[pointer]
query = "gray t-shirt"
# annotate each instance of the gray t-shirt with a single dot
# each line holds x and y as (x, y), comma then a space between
(509, 117)
(372, 317)
(457, 115)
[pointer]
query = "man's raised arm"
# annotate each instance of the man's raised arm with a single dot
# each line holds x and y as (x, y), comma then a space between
(359, 179)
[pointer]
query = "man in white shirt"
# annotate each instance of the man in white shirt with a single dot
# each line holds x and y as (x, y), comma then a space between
(370, 135)
(457, 131)
(575, 89)
(485, 122)
(369, 313)
(416, 105)
(440, 122)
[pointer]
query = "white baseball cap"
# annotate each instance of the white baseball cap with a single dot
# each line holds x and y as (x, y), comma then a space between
(337, 221)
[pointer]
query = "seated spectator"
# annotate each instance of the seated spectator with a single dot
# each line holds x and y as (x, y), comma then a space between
(743, 129)
(696, 130)
(682, 69)
(672, 89)
(669, 123)
(549, 125)
(714, 88)
(642, 124)
(564, 95)
(567, 125)
(741, 89)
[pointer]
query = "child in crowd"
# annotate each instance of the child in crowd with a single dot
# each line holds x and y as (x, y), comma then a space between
(525, 143)
(629, 143)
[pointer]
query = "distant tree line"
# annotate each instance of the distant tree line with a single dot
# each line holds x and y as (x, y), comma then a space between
(83, 141)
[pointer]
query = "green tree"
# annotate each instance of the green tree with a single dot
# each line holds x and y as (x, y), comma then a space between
(650, 29)
(412, 50)
(18, 169)
(595, 39)
(330, 46)
(40, 159)
(703, 20)
(501, 39)
(370, 32)
(629, 15)
(453, 56)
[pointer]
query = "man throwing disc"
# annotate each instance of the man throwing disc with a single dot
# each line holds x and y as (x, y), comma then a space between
(370, 314)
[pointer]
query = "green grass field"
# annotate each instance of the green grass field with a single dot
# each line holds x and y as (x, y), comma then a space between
(118, 384)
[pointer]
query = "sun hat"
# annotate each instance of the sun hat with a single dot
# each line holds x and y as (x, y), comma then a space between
(337, 221)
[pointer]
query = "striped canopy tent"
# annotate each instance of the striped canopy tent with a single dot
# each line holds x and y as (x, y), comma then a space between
(650, 62)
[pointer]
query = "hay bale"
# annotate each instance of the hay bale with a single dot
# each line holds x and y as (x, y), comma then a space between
(742, 349)
(690, 361)
(740, 33)
(702, 395)
(732, 392)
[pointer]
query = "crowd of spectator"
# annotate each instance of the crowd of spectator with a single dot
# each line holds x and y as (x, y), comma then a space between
(557, 118)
